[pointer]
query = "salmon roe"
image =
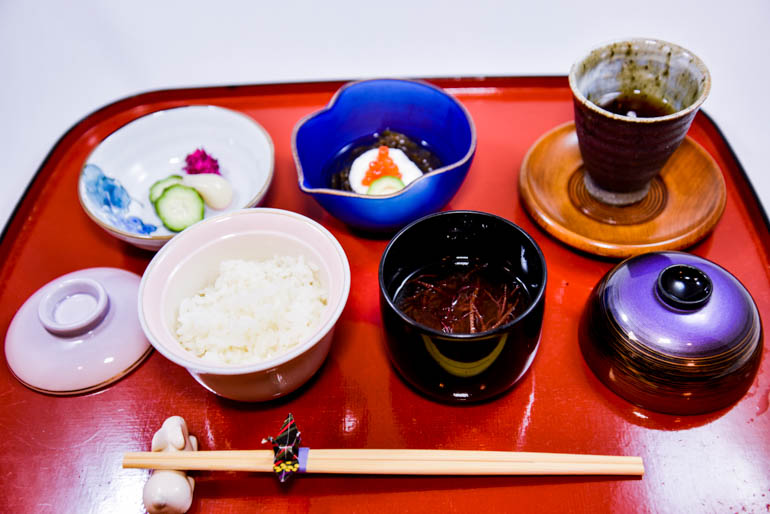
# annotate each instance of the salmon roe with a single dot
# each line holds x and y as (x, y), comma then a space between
(382, 166)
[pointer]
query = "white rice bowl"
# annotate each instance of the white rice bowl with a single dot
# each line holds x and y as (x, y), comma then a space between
(254, 311)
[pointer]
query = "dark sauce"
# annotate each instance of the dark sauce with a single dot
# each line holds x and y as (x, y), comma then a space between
(458, 296)
(639, 105)
(338, 170)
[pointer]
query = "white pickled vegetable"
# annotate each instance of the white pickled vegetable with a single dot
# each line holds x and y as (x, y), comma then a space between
(215, 190)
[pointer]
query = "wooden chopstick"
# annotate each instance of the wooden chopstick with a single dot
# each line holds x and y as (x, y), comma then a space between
(401, 462)
(223, 460)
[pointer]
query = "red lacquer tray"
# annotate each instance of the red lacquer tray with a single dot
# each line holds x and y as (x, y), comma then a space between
(64, 454)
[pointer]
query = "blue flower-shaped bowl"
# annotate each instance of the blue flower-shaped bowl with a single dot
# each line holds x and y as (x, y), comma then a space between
(359, 109)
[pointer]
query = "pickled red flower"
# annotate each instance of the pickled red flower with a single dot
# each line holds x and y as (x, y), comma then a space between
(201, 162)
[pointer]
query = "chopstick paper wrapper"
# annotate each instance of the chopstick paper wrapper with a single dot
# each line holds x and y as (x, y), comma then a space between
(288, 457)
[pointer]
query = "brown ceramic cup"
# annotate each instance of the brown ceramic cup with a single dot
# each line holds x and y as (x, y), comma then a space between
(634, 102)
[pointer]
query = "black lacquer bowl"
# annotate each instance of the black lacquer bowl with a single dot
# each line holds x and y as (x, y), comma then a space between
(673, 333)
(463, 367)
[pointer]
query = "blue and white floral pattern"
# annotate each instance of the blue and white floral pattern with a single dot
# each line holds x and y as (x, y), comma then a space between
(113, 202)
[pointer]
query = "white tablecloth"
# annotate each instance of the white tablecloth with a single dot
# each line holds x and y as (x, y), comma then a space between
(60, 61)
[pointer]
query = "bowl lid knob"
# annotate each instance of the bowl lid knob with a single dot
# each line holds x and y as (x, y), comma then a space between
(684, 287)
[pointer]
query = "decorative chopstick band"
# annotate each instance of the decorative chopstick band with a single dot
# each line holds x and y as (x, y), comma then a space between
(289, 458)
(287, 451)
(303, 452)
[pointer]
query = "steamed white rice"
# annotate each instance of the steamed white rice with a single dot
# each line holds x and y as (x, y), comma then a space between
(254, 311)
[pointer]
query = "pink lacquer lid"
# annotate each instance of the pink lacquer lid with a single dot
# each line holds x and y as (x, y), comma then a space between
(77, 333)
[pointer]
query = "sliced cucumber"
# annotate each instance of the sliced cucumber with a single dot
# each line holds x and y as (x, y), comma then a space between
(161, 185)
(385, 186)
(179, 207)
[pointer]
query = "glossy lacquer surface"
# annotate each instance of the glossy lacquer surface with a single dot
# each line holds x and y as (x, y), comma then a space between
(63, 454)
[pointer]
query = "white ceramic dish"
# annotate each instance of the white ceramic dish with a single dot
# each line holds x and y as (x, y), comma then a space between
(155, 146)
(191, 261)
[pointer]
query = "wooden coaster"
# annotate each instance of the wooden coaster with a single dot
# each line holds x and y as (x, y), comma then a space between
(683, 205)
(645, 209)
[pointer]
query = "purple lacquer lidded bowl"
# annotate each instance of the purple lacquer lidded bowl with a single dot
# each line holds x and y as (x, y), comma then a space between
(673, 333)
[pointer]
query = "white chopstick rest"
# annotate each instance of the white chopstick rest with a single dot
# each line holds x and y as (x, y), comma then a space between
(170, 490)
